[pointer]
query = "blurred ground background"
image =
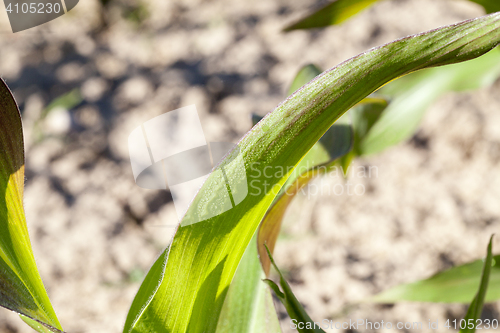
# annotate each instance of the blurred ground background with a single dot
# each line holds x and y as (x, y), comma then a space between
(432, 203)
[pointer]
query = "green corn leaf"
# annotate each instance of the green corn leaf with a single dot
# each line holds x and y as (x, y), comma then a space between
(299, 316)
(21, 288)
(249, 306)
(336, 142)
(208, 245)
(476, 306)
(455, 285)
(411, 96)
(332, 14)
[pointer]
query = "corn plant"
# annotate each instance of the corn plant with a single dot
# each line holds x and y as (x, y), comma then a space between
(209, 278)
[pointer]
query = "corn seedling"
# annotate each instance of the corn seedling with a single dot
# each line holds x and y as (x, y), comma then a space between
(209, 278)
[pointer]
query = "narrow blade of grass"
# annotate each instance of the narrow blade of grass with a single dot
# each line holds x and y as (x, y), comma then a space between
(476, 306)
(295, 310)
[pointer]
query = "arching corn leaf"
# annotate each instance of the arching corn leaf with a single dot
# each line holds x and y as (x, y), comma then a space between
(21, 288)
(411, 96)
(247, 294)
(414, 94)
(336, 142)
(331, 151)
(325, 155)
(211, 239)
